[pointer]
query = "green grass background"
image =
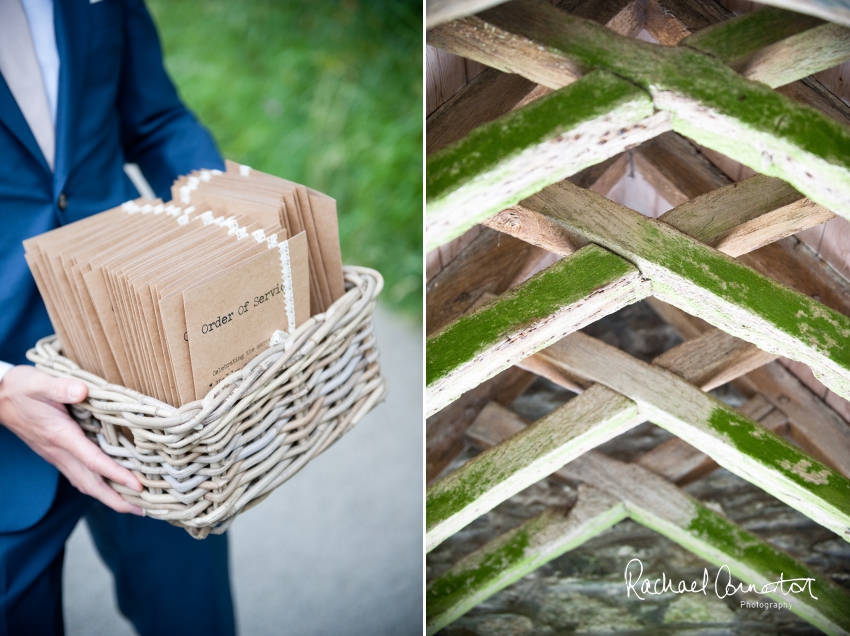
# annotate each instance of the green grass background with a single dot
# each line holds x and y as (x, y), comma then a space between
(328, 94)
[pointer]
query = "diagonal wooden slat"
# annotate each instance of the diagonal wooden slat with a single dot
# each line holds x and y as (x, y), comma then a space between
(710, 110)
(775, 47)
(500, 163)
(476, 487)
(731, 205)
(735, 442)
(833, 10)
(491, 93)
(654, 502)
(444, 431)
(488, 95)
(516, 553)
(709, 284)
(485, 481)
(488, 264)
(814, 425)
(681, 463)
(746, 215)
(573, 292)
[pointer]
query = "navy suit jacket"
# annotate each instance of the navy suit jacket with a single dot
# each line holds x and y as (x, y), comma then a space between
(116, 104)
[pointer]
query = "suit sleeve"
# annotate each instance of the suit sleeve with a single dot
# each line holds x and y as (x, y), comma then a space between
(157, 131)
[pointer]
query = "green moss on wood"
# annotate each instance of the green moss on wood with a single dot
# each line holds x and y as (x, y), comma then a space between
(558, 286)
(453, 587)
(738, 37)
(772, 451)
(547, 118)
(555, 439)
(744, 551)
(516, 553)
(448, 497)
(786, 127)
(818, 327)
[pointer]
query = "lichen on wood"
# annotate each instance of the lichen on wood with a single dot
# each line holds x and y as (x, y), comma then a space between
(707, 100)
(560, 299)
(518, 552)
(506, 160)
(482, 483)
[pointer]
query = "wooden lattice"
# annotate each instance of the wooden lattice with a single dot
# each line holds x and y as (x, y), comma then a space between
(526, 148)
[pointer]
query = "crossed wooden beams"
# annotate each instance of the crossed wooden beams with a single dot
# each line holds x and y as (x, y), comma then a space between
(614, 257)
(527, 454)
(610, 492)
(598, 113)
(439, 11)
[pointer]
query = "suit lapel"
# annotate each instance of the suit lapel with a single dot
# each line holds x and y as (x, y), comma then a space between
(71, 41)
(13, 119)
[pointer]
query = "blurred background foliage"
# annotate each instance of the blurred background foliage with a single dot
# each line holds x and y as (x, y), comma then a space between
(325, 93)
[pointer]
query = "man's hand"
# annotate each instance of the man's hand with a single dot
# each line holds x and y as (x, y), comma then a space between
(31, 406)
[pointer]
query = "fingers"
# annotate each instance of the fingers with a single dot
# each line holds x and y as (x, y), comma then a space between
(49, 430)
(63, 390)
(93, 485)
(66, 391)
(95, 460)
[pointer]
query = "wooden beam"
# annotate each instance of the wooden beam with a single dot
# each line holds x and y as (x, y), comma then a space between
(797, 57)
(735, 442)
(712, 359)
(739, 37)
(721, 110)
(488, 264)
(709, 284)
(537, 230)
(681, 463)
(656, 503)
(669, 21)
(514, 554)
(708, 361)
(686, 326)
(504, 161)
(661, 506)
(793, 263)
(487, 96)
(486, 480)
(439, 11)
(491, 93)
(811, 92)
(744, 216)
(572, 293)
(477, 487)
(832, 10)
(677, 170)
(444, 431)
(815, 426)
(774, 46)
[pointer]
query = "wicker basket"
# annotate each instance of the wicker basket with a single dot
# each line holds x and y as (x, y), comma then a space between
(207, 461)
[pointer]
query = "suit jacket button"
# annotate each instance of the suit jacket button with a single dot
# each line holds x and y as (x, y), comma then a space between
(62, 202)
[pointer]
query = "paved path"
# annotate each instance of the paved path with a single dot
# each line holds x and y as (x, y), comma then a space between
(344, 534)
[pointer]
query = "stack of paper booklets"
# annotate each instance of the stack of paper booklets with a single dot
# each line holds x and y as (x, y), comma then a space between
(170, 298)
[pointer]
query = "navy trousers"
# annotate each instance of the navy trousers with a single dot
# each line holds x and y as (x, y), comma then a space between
(166, 581)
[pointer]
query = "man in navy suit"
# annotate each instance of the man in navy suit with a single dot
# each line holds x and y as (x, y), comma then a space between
(83, 91)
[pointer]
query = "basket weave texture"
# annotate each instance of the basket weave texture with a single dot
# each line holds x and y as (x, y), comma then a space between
(207, 461)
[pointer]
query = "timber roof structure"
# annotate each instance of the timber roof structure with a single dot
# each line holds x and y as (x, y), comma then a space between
(519, 162)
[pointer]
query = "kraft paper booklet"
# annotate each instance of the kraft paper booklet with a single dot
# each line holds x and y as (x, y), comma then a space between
(169, 298)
